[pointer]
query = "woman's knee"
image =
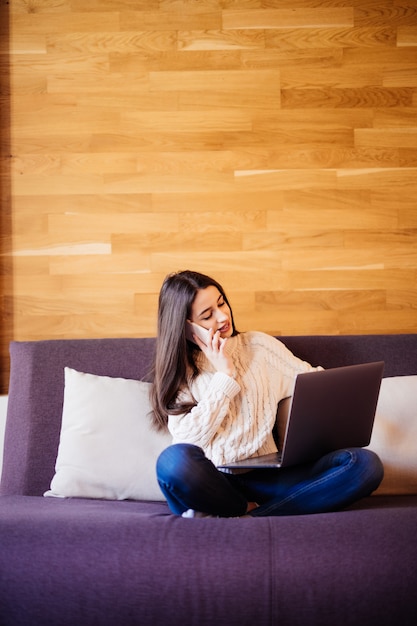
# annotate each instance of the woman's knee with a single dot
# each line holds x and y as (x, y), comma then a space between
(361, 467)
(177, 459)
(373, 466)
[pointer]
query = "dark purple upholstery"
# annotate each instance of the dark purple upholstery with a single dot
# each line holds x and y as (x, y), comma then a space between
(101, 563)
(398, 351)
(104, 563)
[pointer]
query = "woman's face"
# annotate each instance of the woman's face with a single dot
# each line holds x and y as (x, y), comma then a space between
(210, 310)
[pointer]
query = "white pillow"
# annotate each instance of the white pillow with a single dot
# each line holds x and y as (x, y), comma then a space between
(108, 448)
(394, 436)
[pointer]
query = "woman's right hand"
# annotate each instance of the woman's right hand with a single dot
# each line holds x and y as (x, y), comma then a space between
(216, 353)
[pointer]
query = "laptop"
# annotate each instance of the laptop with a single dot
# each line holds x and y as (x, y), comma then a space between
(329, 410)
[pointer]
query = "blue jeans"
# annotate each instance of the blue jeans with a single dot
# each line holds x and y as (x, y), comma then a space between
(189, 480)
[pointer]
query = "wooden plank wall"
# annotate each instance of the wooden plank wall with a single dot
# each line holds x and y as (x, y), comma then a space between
(270, 143)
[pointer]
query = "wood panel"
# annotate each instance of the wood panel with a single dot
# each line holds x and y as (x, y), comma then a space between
(271, 143)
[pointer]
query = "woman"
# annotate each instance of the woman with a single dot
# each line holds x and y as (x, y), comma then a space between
(219, 400)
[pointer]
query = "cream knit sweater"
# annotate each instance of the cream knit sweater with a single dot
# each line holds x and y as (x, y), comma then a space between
(234, 417)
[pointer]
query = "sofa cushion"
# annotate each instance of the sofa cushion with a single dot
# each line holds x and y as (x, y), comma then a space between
(84, 563)
(394, 436)
(108, 447)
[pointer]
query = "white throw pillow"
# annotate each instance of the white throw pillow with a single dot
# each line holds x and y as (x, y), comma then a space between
(108, 447)
(394, 436)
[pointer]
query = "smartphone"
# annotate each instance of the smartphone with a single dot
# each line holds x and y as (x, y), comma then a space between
(191, 328)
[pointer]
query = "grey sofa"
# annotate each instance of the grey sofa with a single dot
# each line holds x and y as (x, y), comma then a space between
(97, 562)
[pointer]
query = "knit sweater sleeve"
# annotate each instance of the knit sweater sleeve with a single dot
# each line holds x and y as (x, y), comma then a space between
(214, 393)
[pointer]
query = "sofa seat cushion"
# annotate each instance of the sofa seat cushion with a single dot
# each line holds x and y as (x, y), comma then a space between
(84, 562)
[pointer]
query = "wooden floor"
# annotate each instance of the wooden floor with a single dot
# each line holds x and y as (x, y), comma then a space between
(269, 143)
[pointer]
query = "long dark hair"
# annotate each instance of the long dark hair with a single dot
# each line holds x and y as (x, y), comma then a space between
(175, 362)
